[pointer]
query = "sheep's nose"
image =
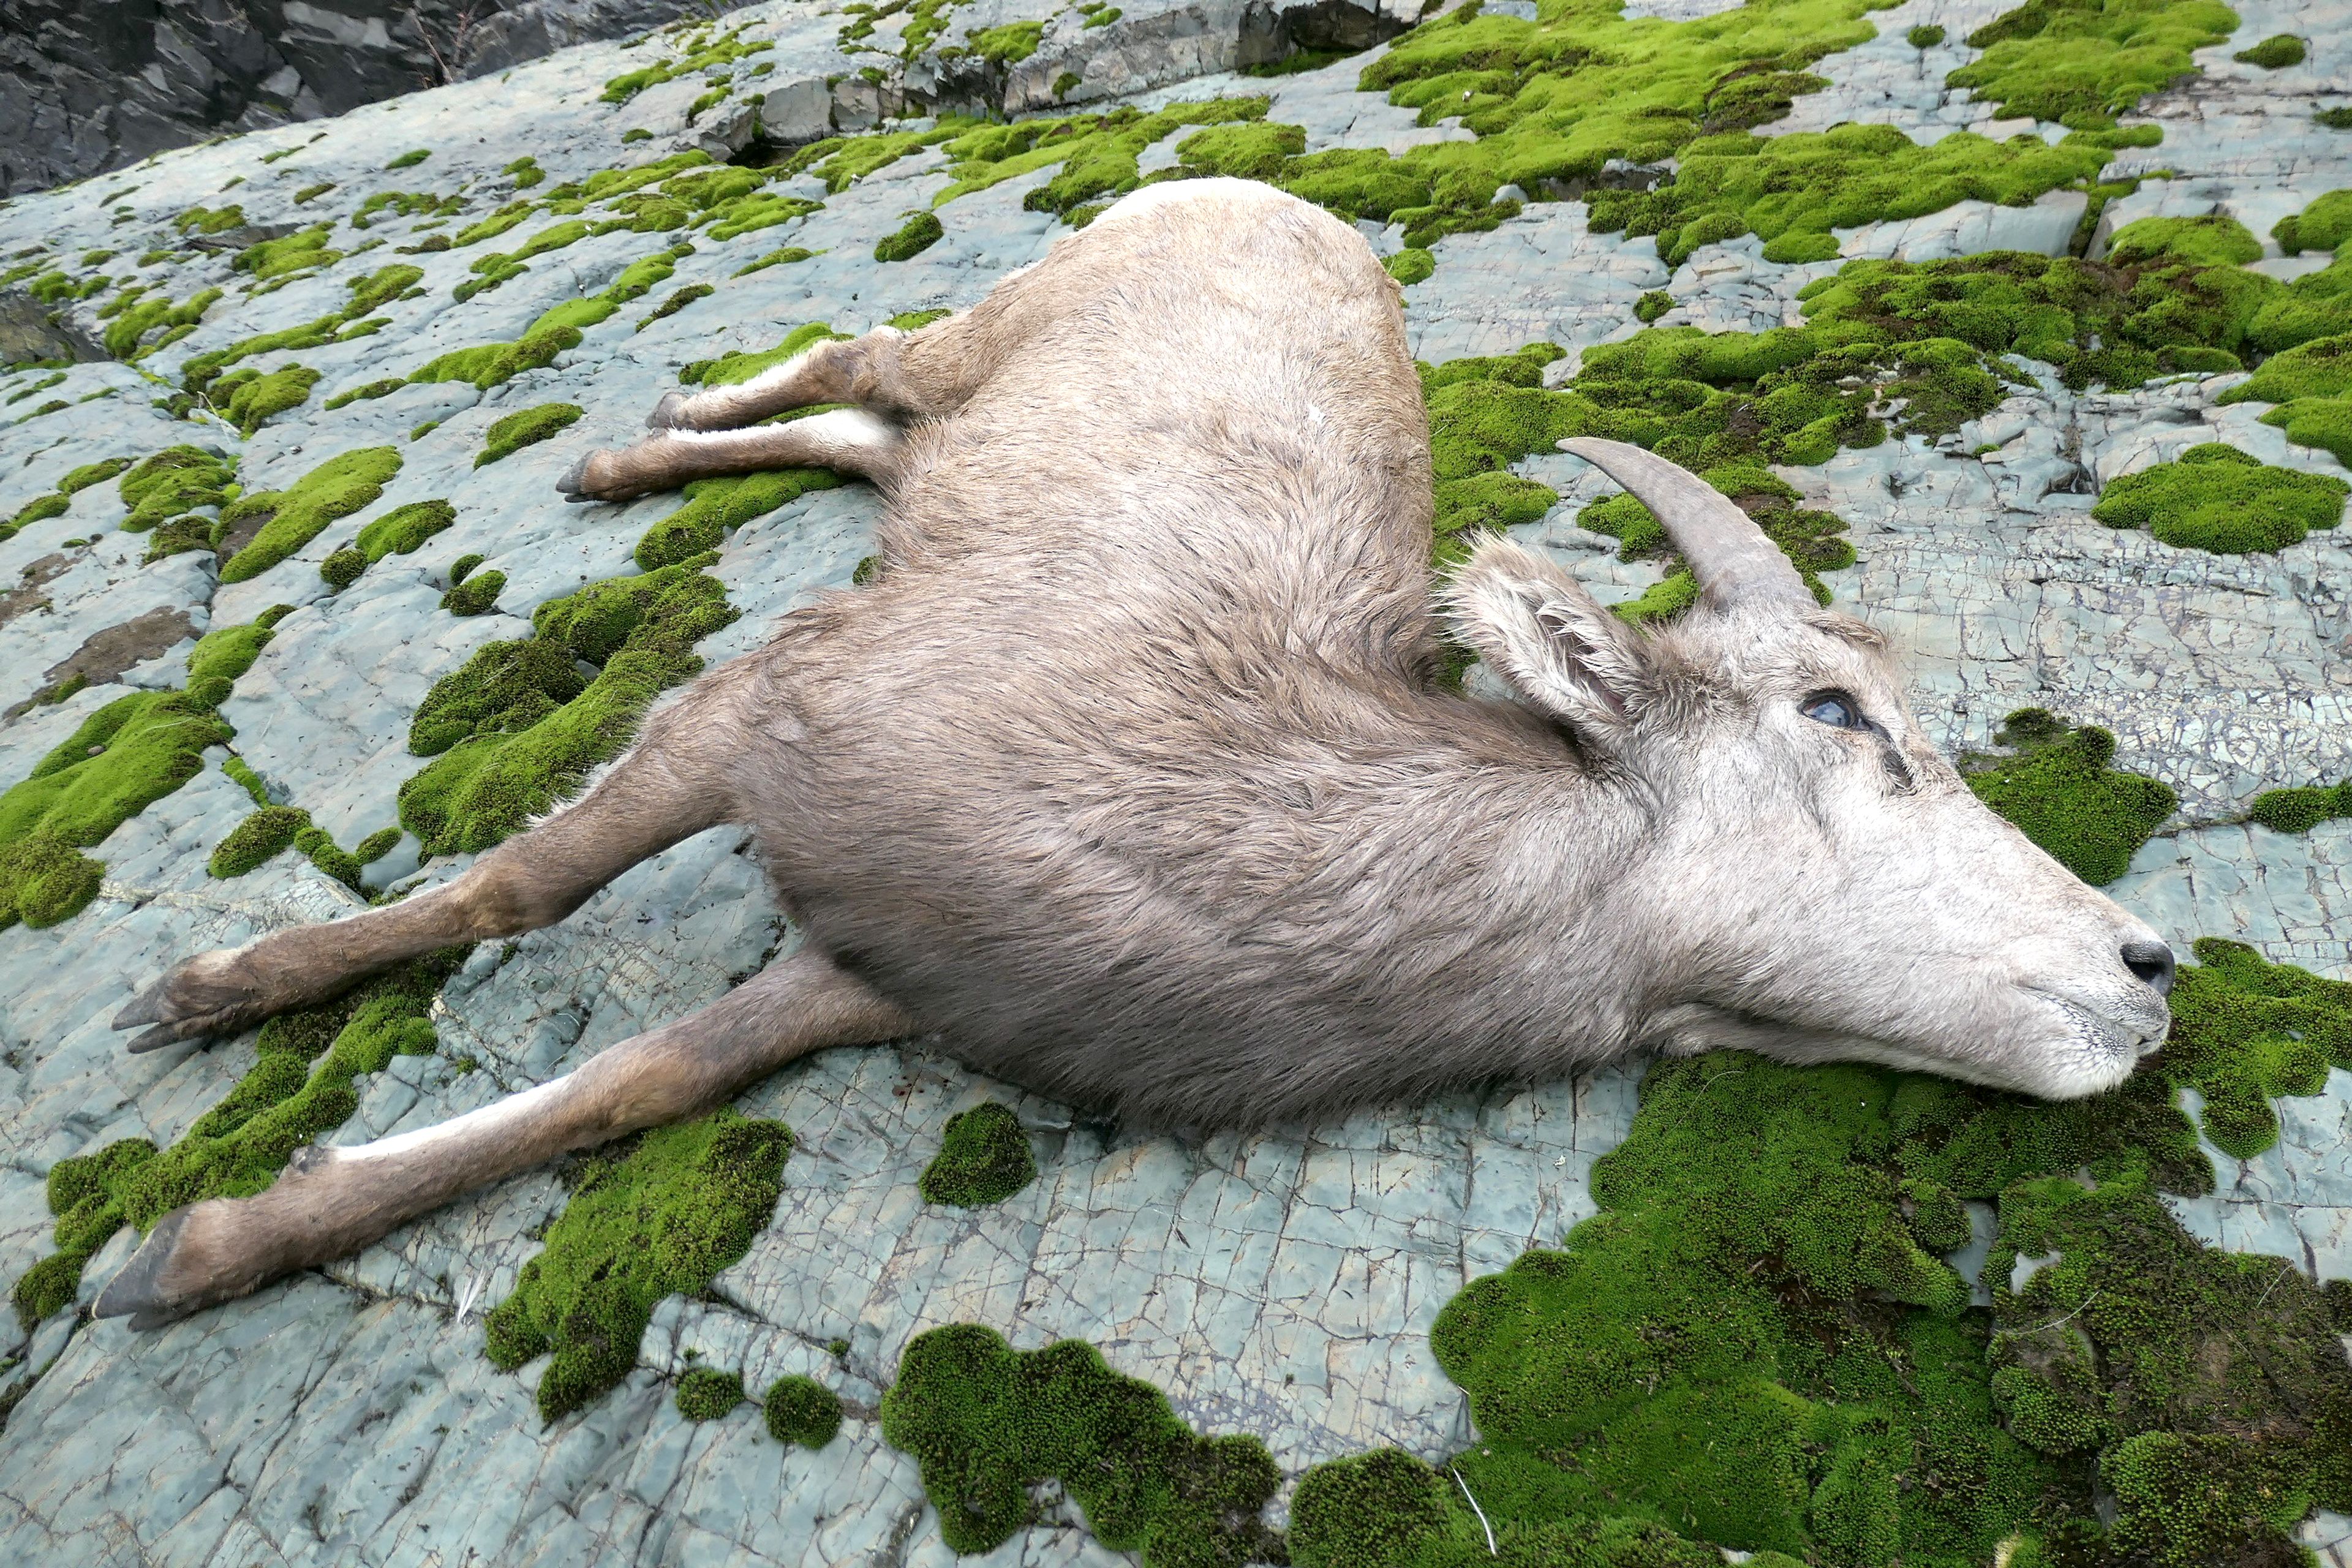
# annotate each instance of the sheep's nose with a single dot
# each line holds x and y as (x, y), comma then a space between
(2152, 962)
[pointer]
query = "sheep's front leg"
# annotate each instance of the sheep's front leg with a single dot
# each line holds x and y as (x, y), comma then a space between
(671, 785)
(848, 440)
(329, 1203)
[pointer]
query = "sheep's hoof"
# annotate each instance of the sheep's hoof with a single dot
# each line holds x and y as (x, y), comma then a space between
(211, 994)
(155, 1288)
(574, 486)
(669, 413)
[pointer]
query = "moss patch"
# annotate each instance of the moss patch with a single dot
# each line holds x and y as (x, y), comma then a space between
(525, 427)
(983, 1158)
(516, 729)
(175, 483)
(2301, 810)
(1753, 1345)
(2082, 62)
(987, 1422)
(2217, 498)
(299, 1088)
(802, 1410)
(402, 531)
(652, 1216)
(2274, 53)
(275, 828)
(2058, 790)
(706, 1393)
(290, 519)
(917, 234)
(2246, 1032)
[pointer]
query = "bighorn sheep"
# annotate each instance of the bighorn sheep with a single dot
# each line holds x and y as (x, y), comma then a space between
(1130, 775)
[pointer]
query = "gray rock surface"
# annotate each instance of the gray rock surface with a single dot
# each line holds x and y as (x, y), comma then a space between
(1281, 1285)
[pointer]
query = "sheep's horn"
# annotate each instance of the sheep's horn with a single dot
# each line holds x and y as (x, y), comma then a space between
(1730, 555)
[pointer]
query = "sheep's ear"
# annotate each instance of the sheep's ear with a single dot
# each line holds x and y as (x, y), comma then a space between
(1558, 645)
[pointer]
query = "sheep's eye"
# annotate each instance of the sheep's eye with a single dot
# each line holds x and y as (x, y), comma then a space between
(1836, 710)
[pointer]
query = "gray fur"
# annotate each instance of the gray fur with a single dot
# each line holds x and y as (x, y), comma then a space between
(1129, 776)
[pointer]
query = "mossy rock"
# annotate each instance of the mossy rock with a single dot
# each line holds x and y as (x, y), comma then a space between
(290, 519)
(2059, 791)
(2216, 498)
(987, 1422)
(916, 235)
(653, 1216)
(983, 1158)
(802, 1410)
(526, 427)
(2301, 810)
(299, 1090)
(706, 1393)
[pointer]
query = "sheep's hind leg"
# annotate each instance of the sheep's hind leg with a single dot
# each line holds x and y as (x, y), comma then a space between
(329, 1203)
(861, 371)
(848, 440)
(669, 787)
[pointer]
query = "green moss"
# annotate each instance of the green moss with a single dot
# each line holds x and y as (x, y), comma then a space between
(43, 882)
(1651, 305)
(917, 234)
(254, 398)
(296, 253)
(715, 508)
(2245, 1032)
(525, 172)
(802, 1410)
(727, 50)
(207, 220)
(731, 369)
(516, 730)
(1751, 1346)
(987, 1422)
(637, 134)
(2057, 788)
(2274, 53)
(172, 483)
(2301, 810)
(337, 488)
(650, 1217)
(410, 160)
(2312, 384)
(299, 1090)
(1925, 37)
(132, 752)
(475, 596)
(983, 1158)
(1008, 45)
(2218, 498)
(381, 388)
(505, 687)
(783, 257)
(2323, 226)
(2080, 62)
(1097, 152)
(1411, 265)
(128, 332)
(493, 365)
(258, 838)
(706, 1393)
(524, 428)
(378, 288)
(916, 321)
(403, 529)
(678, 301)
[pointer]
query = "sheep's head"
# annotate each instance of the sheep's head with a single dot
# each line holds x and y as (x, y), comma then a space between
(1818, 883)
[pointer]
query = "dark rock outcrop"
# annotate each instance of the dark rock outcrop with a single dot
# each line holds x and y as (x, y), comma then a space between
(88, 88)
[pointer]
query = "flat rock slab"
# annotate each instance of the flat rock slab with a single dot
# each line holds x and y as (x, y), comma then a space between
(1281, 1285)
